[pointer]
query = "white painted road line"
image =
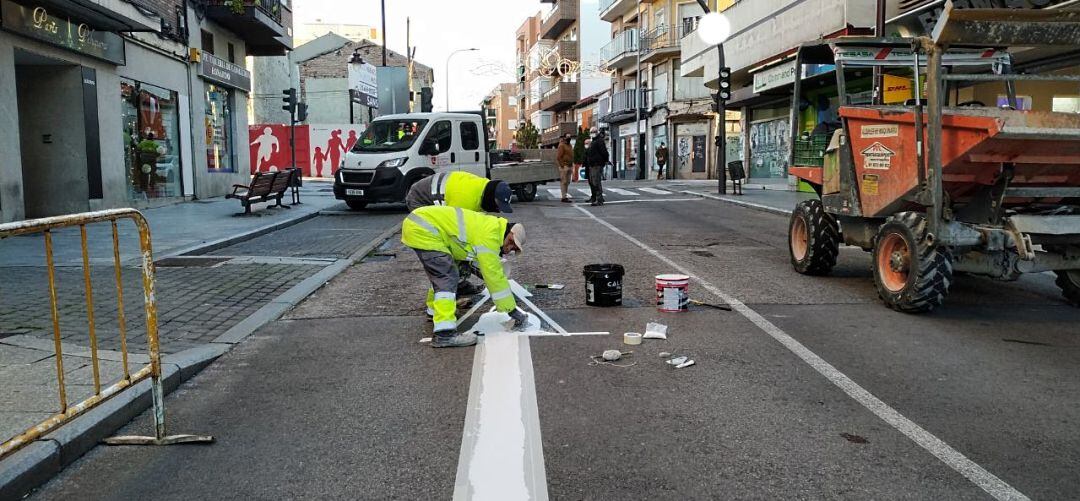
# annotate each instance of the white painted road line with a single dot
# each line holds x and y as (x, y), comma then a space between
(990, 483)
(655, 191)
(556, 193)
(736, 201)
(619, 191)
(583, 191)
(639, 200)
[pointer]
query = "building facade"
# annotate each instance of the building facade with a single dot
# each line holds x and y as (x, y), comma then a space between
(113, 105)
(500, 109)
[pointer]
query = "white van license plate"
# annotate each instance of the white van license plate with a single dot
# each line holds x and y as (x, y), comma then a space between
(356, 193)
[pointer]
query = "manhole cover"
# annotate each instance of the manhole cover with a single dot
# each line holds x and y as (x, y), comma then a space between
(190, 261)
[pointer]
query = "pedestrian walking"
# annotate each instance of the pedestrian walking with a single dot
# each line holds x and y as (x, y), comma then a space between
(596, 158)
(465, 190)
(661, 160)
(443, 237)
(565, 158)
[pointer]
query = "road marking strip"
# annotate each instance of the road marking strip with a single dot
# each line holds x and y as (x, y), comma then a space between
(775, 210)
(556, 193)
(653, 200)
(620, 191)
(655, 191)
(584, 191)
(987, 481)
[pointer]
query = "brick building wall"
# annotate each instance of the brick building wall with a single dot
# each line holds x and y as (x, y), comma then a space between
(335, 64)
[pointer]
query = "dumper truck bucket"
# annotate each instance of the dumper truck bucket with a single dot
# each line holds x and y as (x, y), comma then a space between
(1007, 27)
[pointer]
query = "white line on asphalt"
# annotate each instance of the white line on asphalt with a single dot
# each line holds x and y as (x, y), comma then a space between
(555, 193)
(653, 200)
(775, 210)
(990, 483)
(620, 191)
(654, 191)
(584, 191)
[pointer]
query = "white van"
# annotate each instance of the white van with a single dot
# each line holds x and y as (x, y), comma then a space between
(399, 150)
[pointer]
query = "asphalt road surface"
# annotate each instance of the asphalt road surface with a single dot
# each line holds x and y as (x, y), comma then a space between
(810, 389)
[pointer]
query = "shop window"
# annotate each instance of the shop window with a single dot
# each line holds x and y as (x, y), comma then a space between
(151, 124)
(470, 136)
(1066, 104)
(219, 130)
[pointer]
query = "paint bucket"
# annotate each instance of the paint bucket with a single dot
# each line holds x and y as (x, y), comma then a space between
(603, 284)
(672, 293)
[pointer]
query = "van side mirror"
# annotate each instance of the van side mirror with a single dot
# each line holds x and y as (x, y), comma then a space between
(429, 147)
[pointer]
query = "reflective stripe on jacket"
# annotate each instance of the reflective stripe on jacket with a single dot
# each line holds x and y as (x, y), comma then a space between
(458, 189)
(467, 236)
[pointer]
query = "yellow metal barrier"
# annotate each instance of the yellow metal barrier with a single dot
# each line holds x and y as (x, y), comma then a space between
(152, 371)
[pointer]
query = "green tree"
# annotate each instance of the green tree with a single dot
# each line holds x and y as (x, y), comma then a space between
(579, 146)
(528, 136)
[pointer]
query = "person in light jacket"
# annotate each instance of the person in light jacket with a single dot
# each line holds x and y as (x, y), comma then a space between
(565, 158)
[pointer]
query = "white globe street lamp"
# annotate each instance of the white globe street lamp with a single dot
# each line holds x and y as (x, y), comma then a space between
(714, 28)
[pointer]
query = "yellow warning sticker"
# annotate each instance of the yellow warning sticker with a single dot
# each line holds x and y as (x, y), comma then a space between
(870, 184)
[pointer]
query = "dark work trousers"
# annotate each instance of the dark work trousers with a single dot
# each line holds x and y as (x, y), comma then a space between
(596, 176)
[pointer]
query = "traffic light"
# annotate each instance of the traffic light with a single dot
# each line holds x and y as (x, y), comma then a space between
(289, 98)
(425, 100)
(301, 112)
(724, 86)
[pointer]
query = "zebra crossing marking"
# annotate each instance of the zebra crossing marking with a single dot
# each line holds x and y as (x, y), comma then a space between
(620, 191)
(655, 191)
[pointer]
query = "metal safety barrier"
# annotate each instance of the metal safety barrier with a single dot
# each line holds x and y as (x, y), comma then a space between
(151, 371)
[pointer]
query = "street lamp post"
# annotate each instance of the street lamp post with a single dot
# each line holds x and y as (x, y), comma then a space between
(717, 33)
(447, 84)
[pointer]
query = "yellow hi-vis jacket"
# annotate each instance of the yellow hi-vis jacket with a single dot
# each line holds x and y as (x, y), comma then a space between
(467, 236)
(458, 189)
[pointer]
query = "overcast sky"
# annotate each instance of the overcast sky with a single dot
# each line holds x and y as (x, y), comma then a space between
(438, 28)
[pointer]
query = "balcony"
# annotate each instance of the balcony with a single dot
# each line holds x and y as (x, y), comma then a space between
(551, 135)
(621, 51)
(661, 42)
(559, 97)
(561, 58)
(564, 15)
(110, 15)
(625, 105)
(262, 24)
(613, 10)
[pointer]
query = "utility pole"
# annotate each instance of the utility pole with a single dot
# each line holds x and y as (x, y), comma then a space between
(721, 110)
(879, 31)
(639, 99)
(409, 58)
(383, 3)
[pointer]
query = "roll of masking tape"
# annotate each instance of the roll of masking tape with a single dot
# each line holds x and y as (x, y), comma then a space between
(632, 338)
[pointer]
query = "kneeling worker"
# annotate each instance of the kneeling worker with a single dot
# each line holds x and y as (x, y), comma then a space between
(465, 190)
(443, 236)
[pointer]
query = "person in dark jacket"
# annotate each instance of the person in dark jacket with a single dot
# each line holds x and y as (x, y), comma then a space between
(596, 158)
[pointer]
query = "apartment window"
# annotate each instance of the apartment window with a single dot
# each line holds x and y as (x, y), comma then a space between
(207, 42)
(1066, 104)
(232, 53)
(659, 84)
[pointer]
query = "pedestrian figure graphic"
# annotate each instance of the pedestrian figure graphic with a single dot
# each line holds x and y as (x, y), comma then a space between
(268, 147)
(318, 158)
(334, 148)
(351, 141)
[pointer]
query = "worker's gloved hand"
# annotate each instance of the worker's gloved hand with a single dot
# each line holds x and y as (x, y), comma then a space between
(520, 318)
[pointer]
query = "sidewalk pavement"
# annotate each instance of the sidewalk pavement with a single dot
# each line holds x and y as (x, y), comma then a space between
(220, 275)
(770, 197)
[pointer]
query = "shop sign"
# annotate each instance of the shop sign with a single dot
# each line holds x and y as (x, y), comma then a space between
(877, 156)
(363, 84)
(220, 71)
(61, 30)
(774, 77)
(877, 131)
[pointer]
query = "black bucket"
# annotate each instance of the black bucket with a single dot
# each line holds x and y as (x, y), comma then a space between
(603, 284)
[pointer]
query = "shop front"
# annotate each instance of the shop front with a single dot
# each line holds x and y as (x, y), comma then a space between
(223, 143)
(690, 156)
(626, 145)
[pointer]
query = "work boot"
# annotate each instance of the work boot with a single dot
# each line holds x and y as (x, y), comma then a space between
(468, 289)
(451, 340)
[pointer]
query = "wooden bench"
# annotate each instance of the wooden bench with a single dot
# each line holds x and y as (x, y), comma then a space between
(264, 187)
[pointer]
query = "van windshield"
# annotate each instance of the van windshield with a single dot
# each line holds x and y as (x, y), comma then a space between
(389, 135)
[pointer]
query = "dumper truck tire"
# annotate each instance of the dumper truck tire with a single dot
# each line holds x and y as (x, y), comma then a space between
(813, 239)
(1069, 281)
(911, 273)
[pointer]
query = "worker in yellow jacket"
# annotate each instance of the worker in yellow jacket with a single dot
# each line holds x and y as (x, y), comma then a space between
(465, 190)
(443, 236)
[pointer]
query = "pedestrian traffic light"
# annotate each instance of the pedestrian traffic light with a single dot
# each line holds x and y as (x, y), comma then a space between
(724, 87)
(290, 100)
(301, 112)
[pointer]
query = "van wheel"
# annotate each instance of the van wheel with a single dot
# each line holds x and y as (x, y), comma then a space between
(1069, 281)
(813, 239)
(356, 204)
(527, 192)
(911, 272)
